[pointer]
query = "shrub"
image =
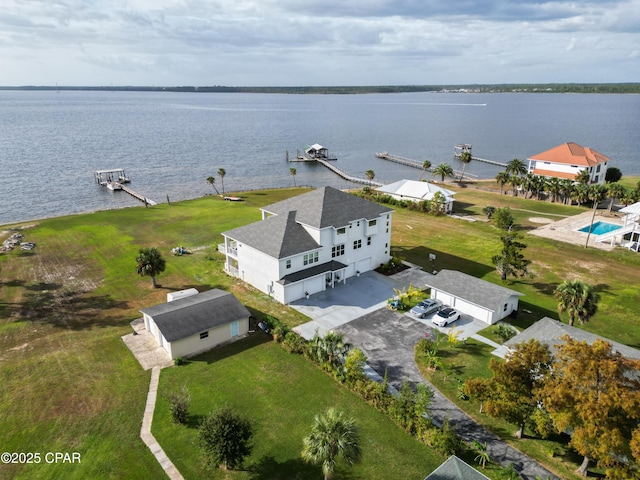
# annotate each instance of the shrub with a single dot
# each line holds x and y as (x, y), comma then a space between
(489, 211)
(354, 365)
(225, 438)
(179, 405)
(294, 343)
(505, 332)
(179, 361)
(446, 440)
(278, 329)
(503, 218)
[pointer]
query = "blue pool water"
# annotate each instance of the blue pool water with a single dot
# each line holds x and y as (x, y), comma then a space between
(600, 228)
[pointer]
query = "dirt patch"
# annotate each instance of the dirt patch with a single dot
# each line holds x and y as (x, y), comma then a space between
(540, 220)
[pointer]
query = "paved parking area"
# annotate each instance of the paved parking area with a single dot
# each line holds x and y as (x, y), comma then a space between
(345, 302)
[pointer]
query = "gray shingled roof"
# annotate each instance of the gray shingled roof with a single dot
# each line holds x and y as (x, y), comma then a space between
(549, 331)
(328, 207)
(472, 289)
(294, 277)
(455, 469)
(190, 315)
(278, 236)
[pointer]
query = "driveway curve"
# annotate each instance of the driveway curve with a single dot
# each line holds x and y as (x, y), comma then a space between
(387, 338)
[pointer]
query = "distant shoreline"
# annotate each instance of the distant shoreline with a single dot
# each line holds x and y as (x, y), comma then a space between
(596, 88)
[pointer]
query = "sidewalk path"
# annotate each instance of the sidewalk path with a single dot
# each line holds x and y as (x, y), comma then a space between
(145, 432)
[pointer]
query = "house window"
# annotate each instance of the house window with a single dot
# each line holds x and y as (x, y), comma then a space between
(372, 223)
(357, 244)
(341, 231)
(595, 179)
(337, 251)
(204, 335)
(310, 258)
(288, 263)
(504, 309)
(387, 230)
(368, 240)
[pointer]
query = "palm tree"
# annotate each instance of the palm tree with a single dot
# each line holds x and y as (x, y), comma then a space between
(628, 196)
(596, 194)
(554, 187)
(221, 174)
(516, 167)
(578, 299)
(150, 263)
(444, 170)
(515, 182)
(584, 177)
(580, 193)
(567, 190)
(293, 172)
(426, 165)
(502, 178)
(614, 190)
(329, 350)
(370, 174)
(529, 185)
(483, 456)
(212, 181)
(465, 157)
(333, 435)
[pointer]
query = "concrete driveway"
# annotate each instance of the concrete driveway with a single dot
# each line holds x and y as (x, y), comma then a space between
(387, 338)
(345, 302)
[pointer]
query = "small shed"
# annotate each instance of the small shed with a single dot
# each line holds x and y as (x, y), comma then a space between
(473, 296)
(195, 323)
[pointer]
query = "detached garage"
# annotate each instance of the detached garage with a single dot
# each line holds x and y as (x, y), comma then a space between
(478, 298)
(196, 323)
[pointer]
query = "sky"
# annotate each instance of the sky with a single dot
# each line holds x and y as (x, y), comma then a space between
(317, 42)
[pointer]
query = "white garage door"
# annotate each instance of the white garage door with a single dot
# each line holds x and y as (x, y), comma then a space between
(474, 310)
(364, 265)
(445, 298)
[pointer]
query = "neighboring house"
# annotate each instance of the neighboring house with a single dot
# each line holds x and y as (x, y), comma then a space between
(478, 298)
(196, 323)
(455, 469)
(417, 191)
(569, 159)
(309, 243)
(550, 332)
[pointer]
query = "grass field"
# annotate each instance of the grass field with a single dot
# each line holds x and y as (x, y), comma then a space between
(279, 393)
(70, 384)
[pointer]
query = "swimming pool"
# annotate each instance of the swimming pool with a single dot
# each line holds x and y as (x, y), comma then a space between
(600, 228)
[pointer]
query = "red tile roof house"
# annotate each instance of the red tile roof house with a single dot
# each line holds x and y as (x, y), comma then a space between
(569, 159)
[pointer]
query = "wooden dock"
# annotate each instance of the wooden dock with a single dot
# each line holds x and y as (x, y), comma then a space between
(139, 196)
(412, 163)
(115, 180)
(346, 176)
(459, 149)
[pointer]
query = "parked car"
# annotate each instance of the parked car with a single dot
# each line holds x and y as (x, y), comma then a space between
(425, 307)
(446, 316)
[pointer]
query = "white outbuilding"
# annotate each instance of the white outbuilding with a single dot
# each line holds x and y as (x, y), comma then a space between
(473, 296)
(415, 191)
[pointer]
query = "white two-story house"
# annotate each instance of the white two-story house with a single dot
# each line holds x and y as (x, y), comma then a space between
(309, 243)
(568, 160)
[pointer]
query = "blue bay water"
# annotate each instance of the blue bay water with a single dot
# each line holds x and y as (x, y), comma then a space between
(168, 143)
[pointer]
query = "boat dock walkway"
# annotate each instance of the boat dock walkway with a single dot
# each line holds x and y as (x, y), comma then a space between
(115, 179)
(139, 196)
(346, 176)
(412, 163)
(484, 160)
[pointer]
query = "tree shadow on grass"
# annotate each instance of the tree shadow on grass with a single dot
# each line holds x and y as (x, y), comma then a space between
(420, 255)
(48, 303)
(268, 468)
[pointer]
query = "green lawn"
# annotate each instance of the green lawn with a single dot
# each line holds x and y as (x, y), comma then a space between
(279, 393)
(70, 384)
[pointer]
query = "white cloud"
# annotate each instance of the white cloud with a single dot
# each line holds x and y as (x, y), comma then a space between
(316, 42)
